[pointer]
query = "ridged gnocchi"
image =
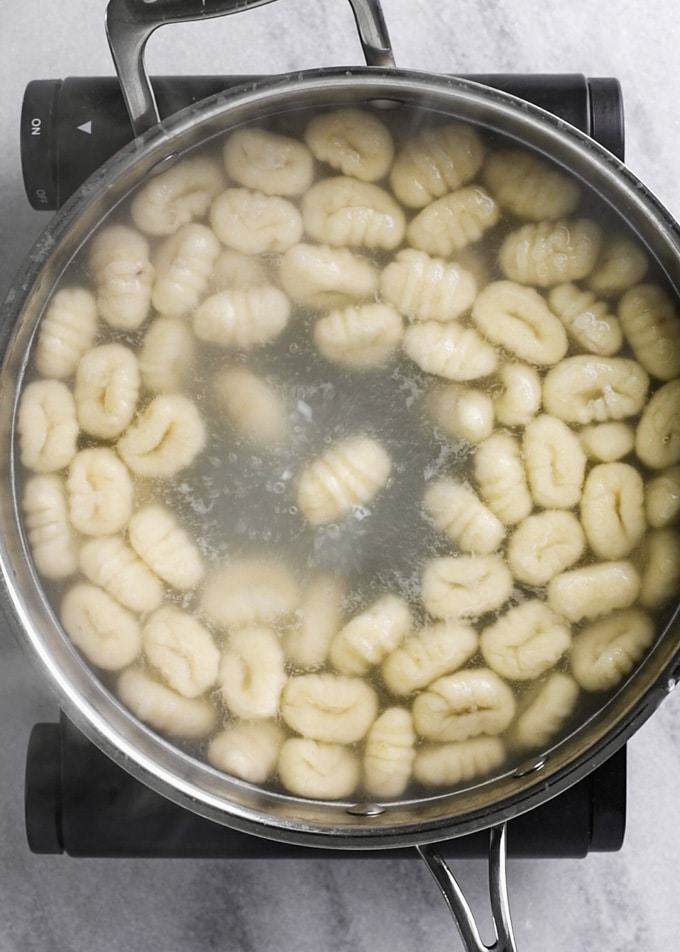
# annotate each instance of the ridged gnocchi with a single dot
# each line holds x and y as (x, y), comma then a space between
(427, 289)
(604, 652)
(465, 585)
(453, 222)
(182, 650)
(247, 749)
(518, 319)
(464, 705)
(177, 196)
(106, 390)
(390, 752)
(251, 673)
(436, 161)
(165, 547)
(66, 332)
(458, 511)
(241, 319)
(451, 350)
(588, 321)
(51, 537)
(353, 141)
(110, 563)
(555, 463)
(47, 426)
(123, 276)
(107, 634)
(362, 337)
(255, 409)
(462, 412)
(164, 438)
(529, 186)
(525, 642)
(319, 276)
(184, 264)
(100, 492)
(551, 252)
(254, 223)
(167, 355)
(268, 161)
(349, 474)
(501, 478)
(346, 213)
(250, 591)
(371, 635)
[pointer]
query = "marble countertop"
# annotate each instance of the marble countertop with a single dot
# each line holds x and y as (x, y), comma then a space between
(624, 902)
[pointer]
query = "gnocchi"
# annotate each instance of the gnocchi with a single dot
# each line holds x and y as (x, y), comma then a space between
(520, 397)
(251, 673)
(242, 318)
(353, 141)
(613, 509)
(110, 563)
(657, 438)
(268, 161)
(464, 705)
(371, 635)
(164, 709)
(390, 752)
(66, 332)
(465, 585)
(594, 590)
(551, 252)
(427, 289)
(52, 540)
(438, 649)
(545, 544)
(318, 276)
(440, 765)
(555, 463)
(318, 619)
(167, 355)
(465, 413)
(586, 389)
(182, 650)
(587, 320)
(361, 337)
(106, 390)
(652, 327)
(604, 652)
(349, 474)
(344, 212)
(320, 771)
(459, 512)
(165, 547)
(164, 438)
(436, 161)
(177, 196)
(47, 426)
(449, 350)
(501, 478)
(525, 642)
(183, 266)
(254, 223)
(542, 715)
(100, 492)
(453, 222)
(528, 186)
(332, 708)
(123, 276)
(250, 591)
(256, 410)
(620, 265)
(247, 749)
(107, 634)
(517, 318)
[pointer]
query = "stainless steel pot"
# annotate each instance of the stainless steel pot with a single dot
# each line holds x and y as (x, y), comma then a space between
(82, 695)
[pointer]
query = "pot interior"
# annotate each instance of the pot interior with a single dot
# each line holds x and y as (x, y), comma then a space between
(330, 518)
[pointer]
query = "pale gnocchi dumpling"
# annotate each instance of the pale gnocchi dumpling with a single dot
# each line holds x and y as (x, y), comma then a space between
(460, 513)
(440, 765)
(389, 753)
(353, 141)
(452, 350)
(106, 390)
(241, 319)
(47, 426)
(123, 275)
(544, 711)
(371, 635)
(317, 620)
(518, 319)
(594, 590)
(329, 707)
(268, 161)
(344, 212)
(525, 642)
(464, 705)
(607, 442)
(167, 355)
(613, 509)
(351, 473)
(604, 652)
(255, 408)
(657, 438)
(436, 161)
(361, 337)
(550, 253)
(250, 591)
(438, 649)
(254, 223)
(66, 332)
(545, 544)
(182, 651)
(247, 749)
(251, 673)
(529, 186)
(177, 196)
(555, 463)
(659, 563)
(465, 586)
(427, 289)
(236, 272)
(322, 277)
(107, 634)
(651, 324)
(165, 547)
(462, 412)
(53, 542)
(164, 438)
(164, 709)
(453, 222)
(519, 400)
(184, 265)
(100, 492)
(621, 264)
(318, 770)
(110, 563)
(501, 478)
(662, 498)
(585, 389)
(588, 321)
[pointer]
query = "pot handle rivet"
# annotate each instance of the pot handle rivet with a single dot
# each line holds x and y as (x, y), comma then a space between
(459, 906)
(130, 23)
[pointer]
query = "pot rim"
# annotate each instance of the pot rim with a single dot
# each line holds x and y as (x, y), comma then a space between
(156, 762)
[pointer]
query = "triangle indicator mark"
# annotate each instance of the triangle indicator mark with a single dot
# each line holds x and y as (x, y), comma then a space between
(86, 127)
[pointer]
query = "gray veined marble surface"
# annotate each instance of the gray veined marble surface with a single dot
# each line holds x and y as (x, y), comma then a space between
(625, 902)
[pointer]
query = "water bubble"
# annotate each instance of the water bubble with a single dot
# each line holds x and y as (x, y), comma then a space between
(361, 512)
(279, 488)
(293, 510)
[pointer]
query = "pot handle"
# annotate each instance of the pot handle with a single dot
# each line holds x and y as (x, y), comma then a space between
(458, 905)
(130, 23)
